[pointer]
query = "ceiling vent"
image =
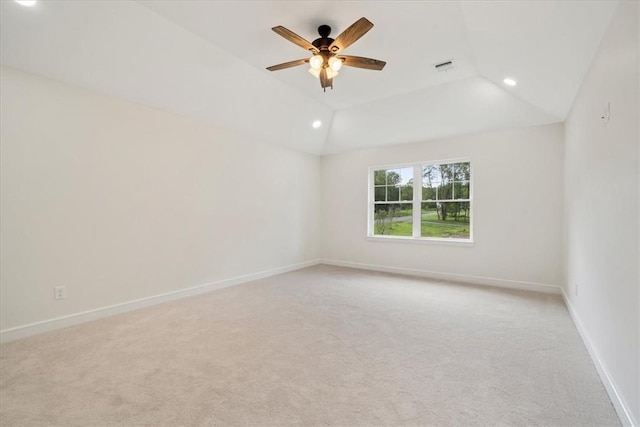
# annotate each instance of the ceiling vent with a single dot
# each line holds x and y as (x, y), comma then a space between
(444, 66)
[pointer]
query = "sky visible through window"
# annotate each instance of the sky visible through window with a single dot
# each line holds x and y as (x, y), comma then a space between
(406, 174)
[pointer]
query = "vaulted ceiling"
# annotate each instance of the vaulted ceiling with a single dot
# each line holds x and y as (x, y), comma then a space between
(207, 59)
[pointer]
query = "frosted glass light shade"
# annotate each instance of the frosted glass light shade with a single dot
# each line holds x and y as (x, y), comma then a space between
(316, 62)
(335, 63)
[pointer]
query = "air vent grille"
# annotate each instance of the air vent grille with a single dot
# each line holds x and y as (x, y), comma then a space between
(444, 66)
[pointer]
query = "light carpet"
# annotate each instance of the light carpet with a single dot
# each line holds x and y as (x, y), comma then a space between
(319, 346)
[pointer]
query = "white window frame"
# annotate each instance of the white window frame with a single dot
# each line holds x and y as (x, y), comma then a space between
(417, 204)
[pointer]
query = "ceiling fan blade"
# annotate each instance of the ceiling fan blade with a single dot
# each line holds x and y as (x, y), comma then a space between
(360, 62)
(288, 64)
(351, 34)
(294, 38)
(325, 81)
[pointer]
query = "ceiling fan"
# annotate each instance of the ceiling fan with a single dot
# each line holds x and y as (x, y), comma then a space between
(327, 59)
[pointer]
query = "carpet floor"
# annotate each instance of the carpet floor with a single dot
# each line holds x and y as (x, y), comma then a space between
(319, 346)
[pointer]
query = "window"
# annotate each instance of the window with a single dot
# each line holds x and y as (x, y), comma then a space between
(393, 201)
(439, 208)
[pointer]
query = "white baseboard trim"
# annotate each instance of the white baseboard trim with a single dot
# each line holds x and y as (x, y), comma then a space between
(24, 331)
(623, 413)
(453, 277)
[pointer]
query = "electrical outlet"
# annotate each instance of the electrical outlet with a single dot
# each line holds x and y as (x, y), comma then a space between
(59, 293)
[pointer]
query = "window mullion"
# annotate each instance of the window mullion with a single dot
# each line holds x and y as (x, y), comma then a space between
(372, 202)
(417, 198)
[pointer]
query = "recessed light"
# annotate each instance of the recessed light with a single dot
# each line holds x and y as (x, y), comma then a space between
(316, 124)
(27, 3)
(510, 82)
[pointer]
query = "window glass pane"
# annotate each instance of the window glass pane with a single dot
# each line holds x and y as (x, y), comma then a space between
(445, 191)
(431, 175)
(406, 192)
(393, 177)
(406, 176)
(447, 173)
(380, 194)
(446, 220)
(393, 194)
(393, 219)
(400, 184)
(401, 176)
(461, 190)
(379, 177)
(463, 171)
(428, 193)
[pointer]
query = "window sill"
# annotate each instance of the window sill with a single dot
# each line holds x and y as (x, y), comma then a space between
(422, 241)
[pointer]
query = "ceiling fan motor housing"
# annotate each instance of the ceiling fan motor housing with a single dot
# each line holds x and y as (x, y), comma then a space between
(323, 43)
(324, 31)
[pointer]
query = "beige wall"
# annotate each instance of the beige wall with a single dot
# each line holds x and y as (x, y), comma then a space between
(117, 202)
(602, 172)
(517, 209)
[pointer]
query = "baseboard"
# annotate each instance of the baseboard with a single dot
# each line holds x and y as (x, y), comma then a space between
(24, 331)
(477, 280)
(625, 415)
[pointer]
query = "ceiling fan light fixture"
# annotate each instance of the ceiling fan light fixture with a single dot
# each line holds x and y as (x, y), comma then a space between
(335, 63)
(331, 73)
(324, 63)
(316, 62)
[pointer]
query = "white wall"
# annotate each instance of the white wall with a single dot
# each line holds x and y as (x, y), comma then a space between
(601, 164)
(517, 208)
(117, 202)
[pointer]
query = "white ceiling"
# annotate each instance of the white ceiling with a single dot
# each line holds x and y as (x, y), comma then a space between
(207, 59)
